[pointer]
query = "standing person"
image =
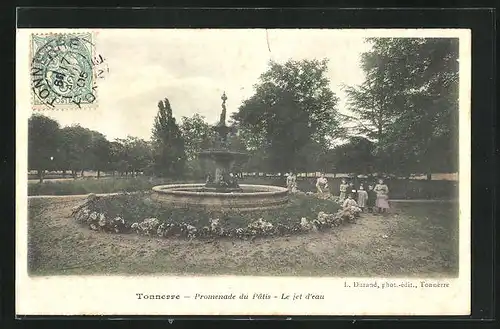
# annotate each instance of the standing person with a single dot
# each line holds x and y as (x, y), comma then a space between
(372, 197)
(343, 189)
(322, 184)
(362, 198)
(382, 191)
(210, 179)
(291, 182)
(352, 190)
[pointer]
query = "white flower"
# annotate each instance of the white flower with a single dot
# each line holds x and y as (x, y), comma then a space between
(134, 226)
(93, 227)
(151, 221)
(93, 215)
(214, 223)
(264, 225)
(191, 231)
(102, 220)
(86, 211)
(325, 218)
(161, 229)
(304, 223)
(149, 224)
(321, 217)
(258, 224)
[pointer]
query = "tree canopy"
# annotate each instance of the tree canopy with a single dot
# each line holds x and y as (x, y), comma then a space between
(43, 143)
(408, 103)
(168, 145)
(293, 105)
(76, 148)
(405, 116)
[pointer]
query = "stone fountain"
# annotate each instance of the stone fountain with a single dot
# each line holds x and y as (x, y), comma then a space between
(221, 191)
(223, 158)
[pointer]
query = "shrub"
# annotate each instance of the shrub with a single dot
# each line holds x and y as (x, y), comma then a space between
(138, 213)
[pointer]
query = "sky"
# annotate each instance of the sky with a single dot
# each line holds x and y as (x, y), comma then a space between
(192, 68)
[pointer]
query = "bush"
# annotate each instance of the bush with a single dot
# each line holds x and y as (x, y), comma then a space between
(138, 213)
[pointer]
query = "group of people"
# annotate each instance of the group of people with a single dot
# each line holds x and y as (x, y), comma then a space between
(376, 198)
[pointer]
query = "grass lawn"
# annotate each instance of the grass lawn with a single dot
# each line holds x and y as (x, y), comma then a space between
(415, 240)
(93, 185)
(114, 184)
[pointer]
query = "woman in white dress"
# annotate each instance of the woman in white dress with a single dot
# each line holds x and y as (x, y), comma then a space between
(291, 182)
(322, 184)
(382, 190)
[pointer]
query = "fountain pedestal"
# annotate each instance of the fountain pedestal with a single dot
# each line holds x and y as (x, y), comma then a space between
(224, 161)
(223, 158)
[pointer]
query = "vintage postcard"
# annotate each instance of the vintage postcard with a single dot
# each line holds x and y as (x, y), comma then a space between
(243, 172)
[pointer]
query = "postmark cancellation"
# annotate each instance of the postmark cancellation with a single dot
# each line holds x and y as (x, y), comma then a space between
(64, 69)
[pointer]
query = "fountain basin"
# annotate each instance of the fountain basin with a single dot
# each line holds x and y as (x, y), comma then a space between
(250, 197)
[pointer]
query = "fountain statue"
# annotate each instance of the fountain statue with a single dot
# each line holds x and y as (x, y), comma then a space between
(222, 121)
(222, 190)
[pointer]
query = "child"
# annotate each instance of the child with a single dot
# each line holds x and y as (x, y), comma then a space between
(362, 198)
(343, 190)
(372, 196)
(349, 202)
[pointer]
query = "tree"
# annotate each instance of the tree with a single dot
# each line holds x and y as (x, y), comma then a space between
(198, 135)
(76, 144)
(43, 143)
(117, 157)
(292, 106)
(122, 156)
(355, 156)
(139, 154)
(409, 81)
(100, 153)
(169, 154)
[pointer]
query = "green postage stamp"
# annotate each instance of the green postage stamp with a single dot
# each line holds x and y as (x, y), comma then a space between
(63, 71)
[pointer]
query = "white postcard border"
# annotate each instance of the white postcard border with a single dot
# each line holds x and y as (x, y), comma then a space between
(113, 295)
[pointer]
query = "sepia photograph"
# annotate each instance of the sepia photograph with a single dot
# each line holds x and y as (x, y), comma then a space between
(285, 154)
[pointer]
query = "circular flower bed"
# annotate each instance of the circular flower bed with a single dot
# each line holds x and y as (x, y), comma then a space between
(138, 213)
